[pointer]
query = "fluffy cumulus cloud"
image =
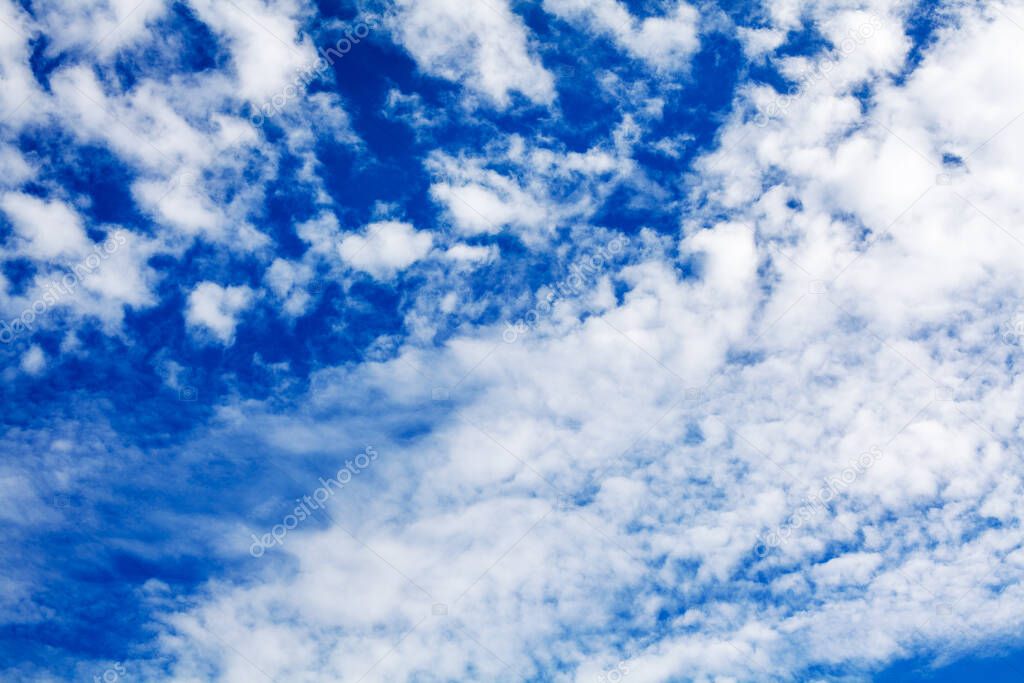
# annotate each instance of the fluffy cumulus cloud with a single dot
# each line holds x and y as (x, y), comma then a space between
(483, 44)
(385, 248)
(103, 27)
(696, 359)
(33, 361)
(665, 42)
(216, 309)
(48, 229)
(545, 190)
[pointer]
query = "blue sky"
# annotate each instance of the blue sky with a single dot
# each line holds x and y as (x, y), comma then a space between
(558, 340)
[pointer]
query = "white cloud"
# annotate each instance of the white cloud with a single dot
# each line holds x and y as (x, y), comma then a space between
(198, 166)
(100, 26)
(665, 42)
(195, 127)
(266, 46)
(385, 248)
(181, 206)
(186, 174)
(33, 361)
(759, 42)
(288, 280)
(485, 207)
(99, 283)
(482, 200)
(321, 233)
(88, 279)
(48, 229)
(123, 278)
(851, 568)
(20, 95)
(216, 308)
(481, 44)
(141, 125)
(464, 253)
(609, 473)
(821, 316)
(14, 168)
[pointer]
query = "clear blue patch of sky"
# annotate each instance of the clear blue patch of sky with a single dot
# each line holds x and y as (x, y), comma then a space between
(1005, 666)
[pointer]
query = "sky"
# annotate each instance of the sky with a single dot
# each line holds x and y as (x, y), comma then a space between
(511, 340)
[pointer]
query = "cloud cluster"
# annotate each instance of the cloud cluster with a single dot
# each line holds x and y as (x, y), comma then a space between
(617, 468)
(482, 43)
(216, 308)
(197, 166)
(773, 435)
(665, 42)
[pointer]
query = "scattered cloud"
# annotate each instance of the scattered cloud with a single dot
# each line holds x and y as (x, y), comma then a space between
(216, 309)
(385, 248)
(689, 340)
